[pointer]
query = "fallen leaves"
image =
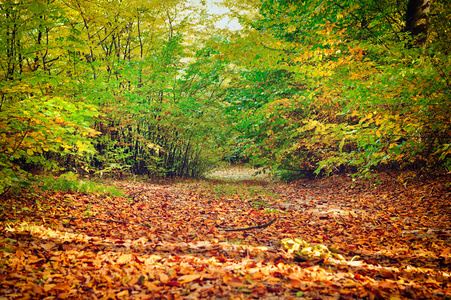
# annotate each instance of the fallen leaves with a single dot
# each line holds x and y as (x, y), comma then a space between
(390, 245)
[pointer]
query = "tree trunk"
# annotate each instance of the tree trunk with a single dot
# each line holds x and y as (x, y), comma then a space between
(417, 20)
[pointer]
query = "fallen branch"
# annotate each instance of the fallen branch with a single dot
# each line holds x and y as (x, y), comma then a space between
(249, 228)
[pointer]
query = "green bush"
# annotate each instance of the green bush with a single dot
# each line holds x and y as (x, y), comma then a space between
(71, 182)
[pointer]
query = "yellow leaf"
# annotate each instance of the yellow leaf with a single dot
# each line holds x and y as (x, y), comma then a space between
(29, 152)
(82, 146)
(59, 120)
(66, 147)
(124, 258)
(291, 29)
(122, 294)
(342, 144)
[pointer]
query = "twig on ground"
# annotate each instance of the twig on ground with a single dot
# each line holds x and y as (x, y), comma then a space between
(249, 228)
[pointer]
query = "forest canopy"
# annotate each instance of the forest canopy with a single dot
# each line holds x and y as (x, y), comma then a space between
(153, 88)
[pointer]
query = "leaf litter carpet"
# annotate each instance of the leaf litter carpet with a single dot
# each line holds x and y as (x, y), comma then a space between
(166, 241)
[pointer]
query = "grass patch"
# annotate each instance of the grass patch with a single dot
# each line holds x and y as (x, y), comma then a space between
(237, 173)
(71, 182)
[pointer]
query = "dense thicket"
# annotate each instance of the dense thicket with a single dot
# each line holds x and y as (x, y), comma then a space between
(105, 87)
(358, 86)
(305, 87)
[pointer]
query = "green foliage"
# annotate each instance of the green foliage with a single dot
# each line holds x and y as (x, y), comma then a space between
(41, 127)
(33, 128)
(71, 182)
(360, 96)
(166, 131)
(108, 87)
(160, 114)
(71, 70)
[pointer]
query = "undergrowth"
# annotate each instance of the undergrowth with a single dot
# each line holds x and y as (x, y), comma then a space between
(71, 182)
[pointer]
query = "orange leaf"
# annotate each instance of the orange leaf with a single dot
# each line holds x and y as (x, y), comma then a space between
(49, 286)
(149, 285)
(163, 277)
(62, 287)
(19, 253)
(188, 278)
(388, 284)
(444, 253)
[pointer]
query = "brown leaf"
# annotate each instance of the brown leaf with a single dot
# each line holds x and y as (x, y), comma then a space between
(386, 273)
(388, 284)
(446, 252)
(48, 246)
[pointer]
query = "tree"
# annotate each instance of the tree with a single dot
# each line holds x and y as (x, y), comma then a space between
(361, 101)
(73, 69)
(37, 120)
(140, 69)
(417, 19)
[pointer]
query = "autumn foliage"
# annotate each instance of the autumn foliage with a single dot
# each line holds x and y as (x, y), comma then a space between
(167, 240)
(342, 108)
(154, 89)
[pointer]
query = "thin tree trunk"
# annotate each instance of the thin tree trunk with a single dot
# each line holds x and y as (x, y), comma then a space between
(417, 20)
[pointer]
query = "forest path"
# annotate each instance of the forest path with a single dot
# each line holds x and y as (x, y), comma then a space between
(165, 240)
(239, 173)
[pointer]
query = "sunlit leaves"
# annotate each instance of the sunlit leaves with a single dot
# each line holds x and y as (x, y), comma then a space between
(33, 128)
(385, 240)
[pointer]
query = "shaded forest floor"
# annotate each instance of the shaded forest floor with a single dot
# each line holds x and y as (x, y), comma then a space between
(165, 240)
